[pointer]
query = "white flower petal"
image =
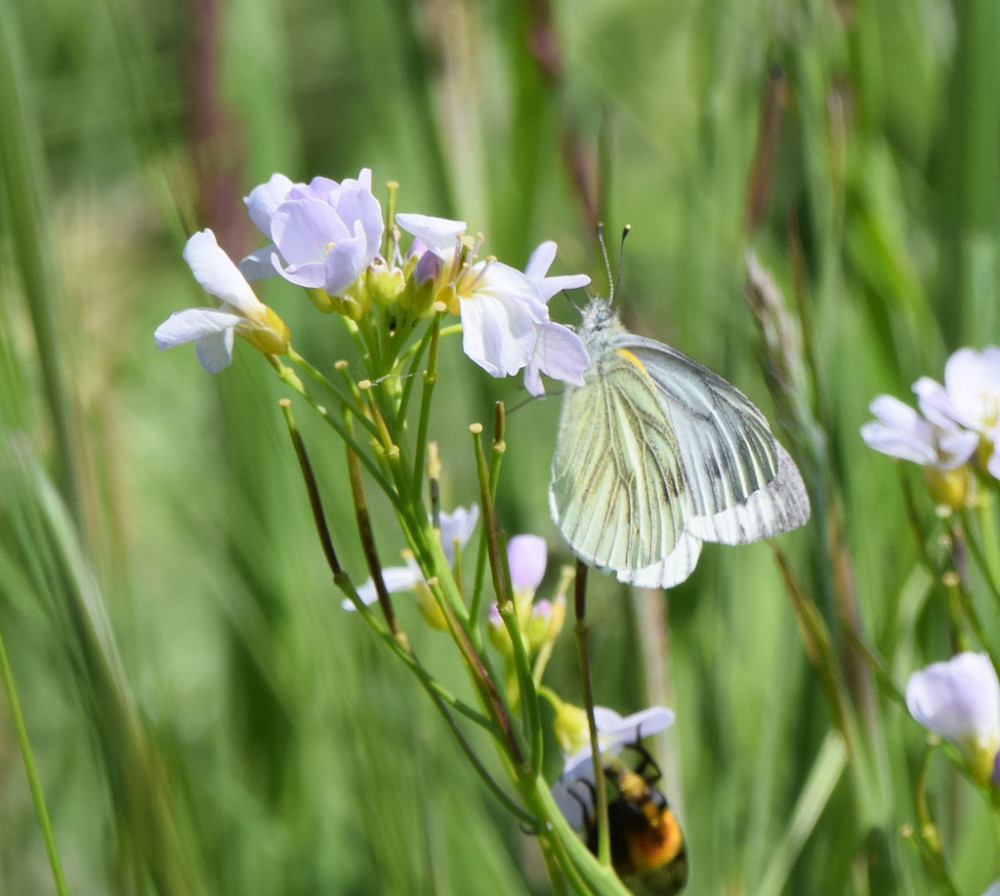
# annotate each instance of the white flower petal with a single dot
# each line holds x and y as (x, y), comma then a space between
(938, 405)
(615, 732)
(396, 578)
(435, 233)
(538, 266)
(541, 260)
(897, 443)
(499, 322)
(558, 353)
(217, 274)
(193, 323)
(215, 351)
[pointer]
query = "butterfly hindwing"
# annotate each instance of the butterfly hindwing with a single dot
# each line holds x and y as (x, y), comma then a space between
(616, 476)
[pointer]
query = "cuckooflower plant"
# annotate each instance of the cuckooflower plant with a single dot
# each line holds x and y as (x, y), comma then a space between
(393, 303)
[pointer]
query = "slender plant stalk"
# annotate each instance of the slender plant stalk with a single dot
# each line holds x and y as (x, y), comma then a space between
(34, 783)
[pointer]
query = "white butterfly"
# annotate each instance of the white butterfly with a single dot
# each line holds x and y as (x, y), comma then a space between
(657, 454)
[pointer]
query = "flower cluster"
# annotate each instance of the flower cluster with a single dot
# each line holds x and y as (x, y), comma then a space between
(956, 429)
(391, 280)
(331, 239)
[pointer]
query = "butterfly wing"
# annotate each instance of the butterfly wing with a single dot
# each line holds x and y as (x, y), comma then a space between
(742, 485)
(617, 478)
(657, 453)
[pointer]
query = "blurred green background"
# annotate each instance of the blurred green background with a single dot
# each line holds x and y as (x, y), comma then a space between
(205, 717)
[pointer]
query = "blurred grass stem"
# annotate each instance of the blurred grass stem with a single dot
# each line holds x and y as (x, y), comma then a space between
(34, 783)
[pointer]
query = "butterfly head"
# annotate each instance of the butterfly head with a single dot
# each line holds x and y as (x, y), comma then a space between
(597, 316)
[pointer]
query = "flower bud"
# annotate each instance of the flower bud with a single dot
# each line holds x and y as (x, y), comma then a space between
(948, 488)
(571, 729)
(429, 607)
(271, 335)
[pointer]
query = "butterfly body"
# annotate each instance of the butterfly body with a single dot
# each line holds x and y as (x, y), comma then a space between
(656, 454)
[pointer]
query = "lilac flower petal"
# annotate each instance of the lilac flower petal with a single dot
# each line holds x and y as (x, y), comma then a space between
(437, 234)
(215, 350)
(958, 699)
(973, 381)
(356, 203)
(457, 526)
(311, 274)
(552, 285)
(322, 189)
(217, 274)
(968, 371)
(257, 265)
(345, 261)
(265, 199)
(526, 556)
(304, 229)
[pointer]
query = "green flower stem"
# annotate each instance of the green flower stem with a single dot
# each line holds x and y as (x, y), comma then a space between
(928, 837)
(485, 683)
(582, 632)
(526, 684)
(413, 357)
(350, 401)
(34, 784)
(585, 873)
(497, 451)
(986, 511)
(443, 699)
(501, 587)
(369, 548)
(557, 877)
(430, 378)
(478, 585)
(346, 587)
(312, 488)
(287, 376)
(987, 560)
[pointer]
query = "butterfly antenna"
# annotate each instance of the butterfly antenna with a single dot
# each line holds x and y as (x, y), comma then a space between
(621, 258)
(607, 263)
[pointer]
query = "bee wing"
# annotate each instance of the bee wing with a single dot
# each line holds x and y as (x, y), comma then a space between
(741, 484)
(617, 491)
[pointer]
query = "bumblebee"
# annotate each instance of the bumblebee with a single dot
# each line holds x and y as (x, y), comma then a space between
(647, 844)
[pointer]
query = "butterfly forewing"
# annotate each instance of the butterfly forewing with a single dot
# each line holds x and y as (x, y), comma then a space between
(741, 483)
